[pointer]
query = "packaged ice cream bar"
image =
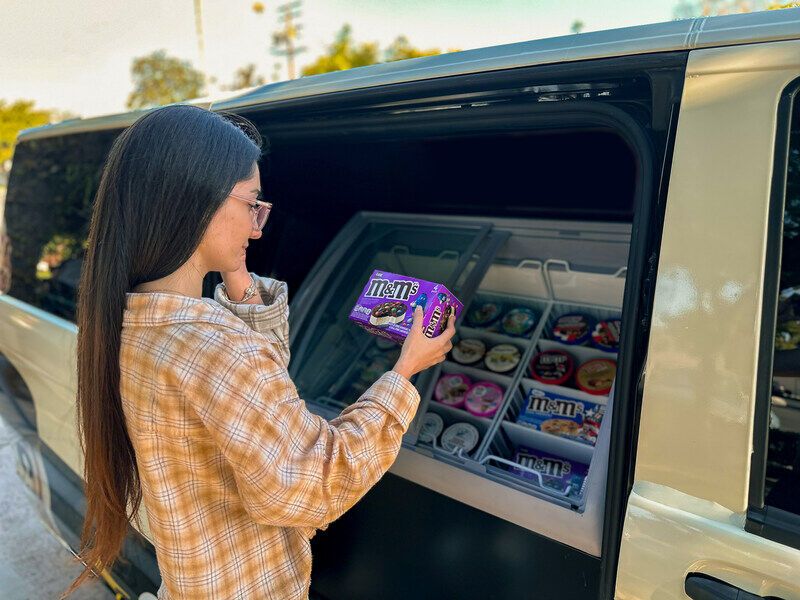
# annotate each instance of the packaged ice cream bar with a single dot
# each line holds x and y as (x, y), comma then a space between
(386, 306)
(561, 415)
(557, 473)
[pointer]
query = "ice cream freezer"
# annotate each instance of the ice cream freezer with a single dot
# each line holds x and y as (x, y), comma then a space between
(512, 433)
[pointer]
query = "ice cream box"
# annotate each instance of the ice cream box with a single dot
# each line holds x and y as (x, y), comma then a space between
(557, 473)
(386, 305)
(561, 415)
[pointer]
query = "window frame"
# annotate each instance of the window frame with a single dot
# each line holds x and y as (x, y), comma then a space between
(763, 520)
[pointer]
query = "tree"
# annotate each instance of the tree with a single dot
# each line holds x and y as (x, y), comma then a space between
(577, 26)
(160, 79)
(245, 77)
(401, 49)
(689, 9)
(15, 117)
(344, 54)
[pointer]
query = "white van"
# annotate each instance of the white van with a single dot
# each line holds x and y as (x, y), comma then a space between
(644, 179)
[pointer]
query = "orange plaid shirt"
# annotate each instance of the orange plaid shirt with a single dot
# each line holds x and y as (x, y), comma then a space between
(237, 475)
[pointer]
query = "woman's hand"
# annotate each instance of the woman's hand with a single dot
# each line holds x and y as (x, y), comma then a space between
(420, 352)
(236, 282)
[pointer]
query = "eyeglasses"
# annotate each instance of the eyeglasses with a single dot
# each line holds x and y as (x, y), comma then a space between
(258, 208)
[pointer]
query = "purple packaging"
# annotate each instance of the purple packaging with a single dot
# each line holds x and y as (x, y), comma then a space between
(557, 472)
(386, 305)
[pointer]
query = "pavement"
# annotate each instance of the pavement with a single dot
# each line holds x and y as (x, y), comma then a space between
(34, 564)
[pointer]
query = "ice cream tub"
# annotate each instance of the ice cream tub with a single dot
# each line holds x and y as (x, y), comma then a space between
(451, 389)
(483, 399)
(386, 306)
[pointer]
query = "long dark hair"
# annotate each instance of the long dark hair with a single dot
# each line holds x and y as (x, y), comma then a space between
(164, 178)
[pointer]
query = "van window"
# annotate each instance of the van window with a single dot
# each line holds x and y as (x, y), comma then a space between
(51, 189)
(782, 480)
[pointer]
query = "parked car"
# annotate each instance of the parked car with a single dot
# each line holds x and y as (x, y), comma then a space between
(641, 185)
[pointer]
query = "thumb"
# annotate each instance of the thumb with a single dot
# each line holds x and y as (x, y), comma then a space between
(451, 321)
(417, 324)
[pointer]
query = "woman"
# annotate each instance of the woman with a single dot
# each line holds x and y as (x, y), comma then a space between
(185, 402)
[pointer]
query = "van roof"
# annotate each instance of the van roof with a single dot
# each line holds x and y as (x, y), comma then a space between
(688, 34)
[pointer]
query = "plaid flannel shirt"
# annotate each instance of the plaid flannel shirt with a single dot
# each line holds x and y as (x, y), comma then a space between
(236, 473)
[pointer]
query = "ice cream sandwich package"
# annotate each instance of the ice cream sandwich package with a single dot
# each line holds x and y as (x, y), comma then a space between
(557, 473)
(386, 306)
(562, 416)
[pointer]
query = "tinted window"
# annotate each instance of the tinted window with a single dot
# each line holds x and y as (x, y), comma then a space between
(51, 189)
(782, 486)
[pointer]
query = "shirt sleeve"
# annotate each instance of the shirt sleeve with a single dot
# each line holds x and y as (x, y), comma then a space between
(270, 319)
(294, 468)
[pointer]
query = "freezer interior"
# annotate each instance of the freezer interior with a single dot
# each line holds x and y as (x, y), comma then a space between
(550, 268)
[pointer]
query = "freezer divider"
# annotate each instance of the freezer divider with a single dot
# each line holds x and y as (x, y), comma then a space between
(525, 279)
(568, 284)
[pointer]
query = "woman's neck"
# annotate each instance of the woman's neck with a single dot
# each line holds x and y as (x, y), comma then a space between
(186, 281)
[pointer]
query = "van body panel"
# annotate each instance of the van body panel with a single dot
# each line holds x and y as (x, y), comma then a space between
(42, 349)
(692, 476)
(669, 534)
(697, 409)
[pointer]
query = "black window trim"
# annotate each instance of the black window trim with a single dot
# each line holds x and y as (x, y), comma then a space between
(763, 520)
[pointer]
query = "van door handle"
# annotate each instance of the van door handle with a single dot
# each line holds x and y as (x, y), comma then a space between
(704, 587)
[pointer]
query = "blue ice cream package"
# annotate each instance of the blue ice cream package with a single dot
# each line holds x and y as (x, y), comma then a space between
(559, 474)
(561, 415)
(386, 305)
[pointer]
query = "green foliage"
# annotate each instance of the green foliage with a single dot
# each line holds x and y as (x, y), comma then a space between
(160, 79)
(345, 53)
(401, 49)
(245, 77)
(15, 117)
(689, 9)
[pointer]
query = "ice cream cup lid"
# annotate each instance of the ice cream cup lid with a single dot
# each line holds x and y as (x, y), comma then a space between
(518, 321)
(572, 329)
(483, 399)
(483, 314)
(450, 389)
(553, 367)
(596, 376)
(468, 351)
(432, 425)
(503, 358)
(460, 435)
(605, 335)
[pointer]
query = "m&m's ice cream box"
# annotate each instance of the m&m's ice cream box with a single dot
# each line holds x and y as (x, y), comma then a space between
(386, 306)
(561, 415)
(557, 473)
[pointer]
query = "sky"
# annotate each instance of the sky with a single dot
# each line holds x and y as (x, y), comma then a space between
(76, 56)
